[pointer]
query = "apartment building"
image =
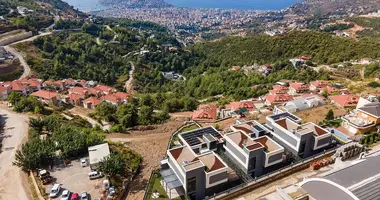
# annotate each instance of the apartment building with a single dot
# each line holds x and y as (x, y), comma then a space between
(194, 169)
(301, 139)
(253, 155)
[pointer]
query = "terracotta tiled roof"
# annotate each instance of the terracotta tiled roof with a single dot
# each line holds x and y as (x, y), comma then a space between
(122, 95)
(17, 86)
(75, 96)
(45, 94)
(298, 86)
(205, 113)
(346, 100)
(112, 98)
(78, 90)
(105, 88)
(94, 101)
(277, 99)
(238, 105)
(280, 87)
(319, 84)
(3, 89)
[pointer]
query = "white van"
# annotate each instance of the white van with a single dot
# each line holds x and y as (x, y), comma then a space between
(94, 175)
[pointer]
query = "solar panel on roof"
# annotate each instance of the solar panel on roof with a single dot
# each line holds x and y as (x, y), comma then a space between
(192, 137)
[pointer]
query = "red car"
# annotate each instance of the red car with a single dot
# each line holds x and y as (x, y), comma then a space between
(75, 196)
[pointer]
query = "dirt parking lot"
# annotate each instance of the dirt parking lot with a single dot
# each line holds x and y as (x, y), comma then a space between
(74, 177)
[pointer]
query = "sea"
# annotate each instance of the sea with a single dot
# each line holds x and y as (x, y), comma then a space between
(92, 5)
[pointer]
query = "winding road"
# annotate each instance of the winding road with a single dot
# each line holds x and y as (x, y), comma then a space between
(21, 59)
(11, 177)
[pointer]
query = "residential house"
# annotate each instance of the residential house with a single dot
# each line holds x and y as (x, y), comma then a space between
(244, 106)
(91, 102)
(33, 84)
(113, 99)
(94, 92)
(106, 89)
(70, 82)
(235, 68)
(18, 87)
(345, 101)
(4, 92)
(79, 91)
(251, 128)
(253, 156)
(47, 97)
(302, 140)
(277, 99)
(55, 85)
(73, 99)
(206, 113)
(194, 169)
(124, 97)
(364, 119)
(329, 90)
(317, 86)
(298, 89)
(300, 104)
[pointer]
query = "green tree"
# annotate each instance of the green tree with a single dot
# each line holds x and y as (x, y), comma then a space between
(34, 154)
(330, 115)
(127, 115)
(145, 115)
(14, 97)
(112, 165)
(105, 110)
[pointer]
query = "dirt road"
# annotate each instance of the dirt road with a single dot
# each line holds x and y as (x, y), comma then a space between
(129, 83)
(22, 61)
(12, 178)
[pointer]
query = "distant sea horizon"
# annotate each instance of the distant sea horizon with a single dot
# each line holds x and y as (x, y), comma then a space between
(93, 5)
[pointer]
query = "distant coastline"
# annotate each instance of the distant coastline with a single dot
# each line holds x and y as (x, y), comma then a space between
(94, 5)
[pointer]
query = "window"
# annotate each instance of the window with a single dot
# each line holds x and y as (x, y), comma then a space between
(191, 185)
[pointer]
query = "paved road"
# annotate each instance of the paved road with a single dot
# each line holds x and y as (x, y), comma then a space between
(15, 131)
(22, 61)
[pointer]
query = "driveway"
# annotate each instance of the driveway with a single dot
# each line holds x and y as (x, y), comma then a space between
(11, 177)
(74, 177)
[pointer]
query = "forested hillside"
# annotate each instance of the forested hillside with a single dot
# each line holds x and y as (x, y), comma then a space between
(323, 47)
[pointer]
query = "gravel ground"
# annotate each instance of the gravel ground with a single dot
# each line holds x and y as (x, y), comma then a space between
(13, 184)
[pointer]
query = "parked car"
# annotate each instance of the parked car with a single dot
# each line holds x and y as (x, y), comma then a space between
(75, 196)
(65, 195)
(111, 191)
(83, 162)
(95, 175)
(84, 196)
(55, 190)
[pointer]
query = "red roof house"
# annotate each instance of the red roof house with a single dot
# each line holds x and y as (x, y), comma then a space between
(249, 105)
(79, 90)
(74, 99)
(47, 97)
(106, 89)
(277, 99)
(317, 85)
(235, 68)
(205, 113)
(298, 88)
(91, 102)
(345, 101)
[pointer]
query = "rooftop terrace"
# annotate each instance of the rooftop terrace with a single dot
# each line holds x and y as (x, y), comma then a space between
(301, 129)
(189, 160)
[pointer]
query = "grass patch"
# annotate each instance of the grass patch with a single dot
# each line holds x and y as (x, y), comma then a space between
(155, 186)
(32, 188)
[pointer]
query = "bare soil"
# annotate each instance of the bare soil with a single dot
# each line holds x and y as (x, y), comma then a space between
(151, 144)
(318, 114)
